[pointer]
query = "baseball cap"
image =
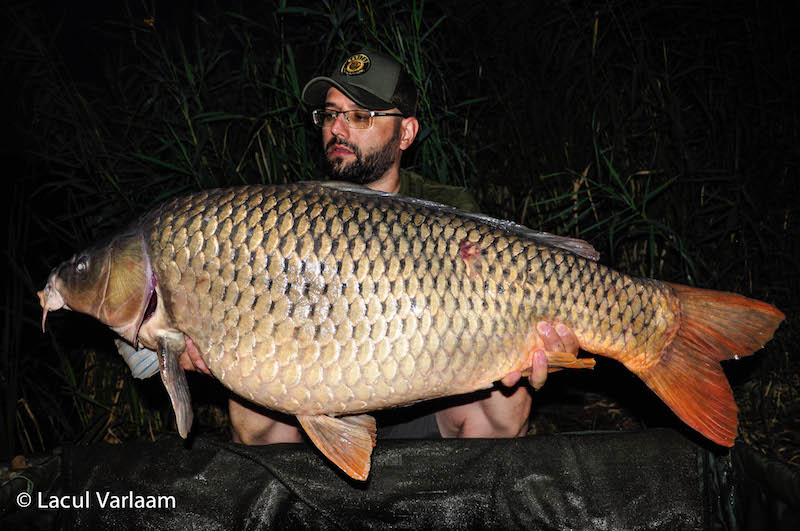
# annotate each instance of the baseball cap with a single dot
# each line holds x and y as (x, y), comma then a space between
(369, 78)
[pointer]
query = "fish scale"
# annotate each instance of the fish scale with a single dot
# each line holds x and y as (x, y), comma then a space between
(431, 297)
(326, 301)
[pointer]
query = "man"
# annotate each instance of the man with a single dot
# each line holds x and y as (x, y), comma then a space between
(367, 113)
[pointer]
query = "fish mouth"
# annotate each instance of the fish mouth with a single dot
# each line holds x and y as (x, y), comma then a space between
(50, 299)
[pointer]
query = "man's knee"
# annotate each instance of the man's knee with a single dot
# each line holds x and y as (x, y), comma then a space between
(252, 427)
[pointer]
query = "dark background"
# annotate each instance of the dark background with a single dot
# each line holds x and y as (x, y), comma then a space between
(666, 134)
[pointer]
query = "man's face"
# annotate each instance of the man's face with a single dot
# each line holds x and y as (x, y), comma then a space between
(359, 155)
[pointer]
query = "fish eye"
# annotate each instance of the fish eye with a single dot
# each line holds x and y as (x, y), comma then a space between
(82, 264)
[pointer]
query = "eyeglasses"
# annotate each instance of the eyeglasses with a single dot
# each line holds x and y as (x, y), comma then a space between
(357, 119)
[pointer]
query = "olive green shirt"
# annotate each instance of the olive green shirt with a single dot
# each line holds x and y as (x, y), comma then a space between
(413, 185)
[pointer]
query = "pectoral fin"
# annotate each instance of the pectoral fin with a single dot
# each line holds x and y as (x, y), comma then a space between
(347, 441)
(170, 347)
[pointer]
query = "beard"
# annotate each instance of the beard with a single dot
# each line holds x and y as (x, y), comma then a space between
(365, 169)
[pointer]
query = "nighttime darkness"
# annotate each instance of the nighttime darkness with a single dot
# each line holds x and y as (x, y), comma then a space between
(563, 233)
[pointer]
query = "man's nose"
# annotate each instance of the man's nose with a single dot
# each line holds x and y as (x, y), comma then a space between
(340, 127)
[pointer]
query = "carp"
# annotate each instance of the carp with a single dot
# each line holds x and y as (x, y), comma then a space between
(328, 300)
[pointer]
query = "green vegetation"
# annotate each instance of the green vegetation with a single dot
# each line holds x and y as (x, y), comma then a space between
(666, 135)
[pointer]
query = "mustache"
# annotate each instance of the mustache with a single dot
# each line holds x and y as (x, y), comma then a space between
(342, 142)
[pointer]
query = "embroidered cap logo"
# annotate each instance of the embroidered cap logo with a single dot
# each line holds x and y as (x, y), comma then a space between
(356, 64)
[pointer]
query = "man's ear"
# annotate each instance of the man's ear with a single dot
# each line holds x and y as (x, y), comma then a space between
(409, 128)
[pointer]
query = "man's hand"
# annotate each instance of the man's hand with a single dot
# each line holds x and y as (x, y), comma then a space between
(505, 413)
(190, 359)
(553, 339)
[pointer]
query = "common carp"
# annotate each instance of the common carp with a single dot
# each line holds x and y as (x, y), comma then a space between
(327, 301)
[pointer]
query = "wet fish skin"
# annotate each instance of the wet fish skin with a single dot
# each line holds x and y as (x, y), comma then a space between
(307, 302)
(320, 300)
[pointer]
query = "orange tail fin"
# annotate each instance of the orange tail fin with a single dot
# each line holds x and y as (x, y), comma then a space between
(715, 326)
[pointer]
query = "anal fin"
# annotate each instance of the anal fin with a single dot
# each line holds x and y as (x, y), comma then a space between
(346, 441)
(170, 347)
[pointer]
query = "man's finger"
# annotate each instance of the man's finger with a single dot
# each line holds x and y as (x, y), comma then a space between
(186, 362)
(194, 357)
(550, 339)
(511, 379)
(538, 370)
(568, 339)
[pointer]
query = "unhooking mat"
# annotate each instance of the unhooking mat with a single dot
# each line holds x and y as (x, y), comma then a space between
(654, 480)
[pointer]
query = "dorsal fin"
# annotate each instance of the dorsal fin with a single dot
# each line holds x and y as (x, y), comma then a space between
(573, 245)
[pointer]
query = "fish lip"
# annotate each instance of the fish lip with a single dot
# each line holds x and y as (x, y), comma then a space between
(50, 299)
